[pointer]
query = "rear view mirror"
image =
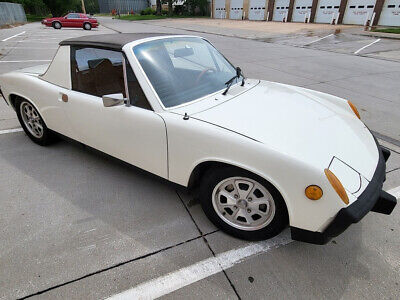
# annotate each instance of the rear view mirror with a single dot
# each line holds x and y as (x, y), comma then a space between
(113, 100)
(182, 52)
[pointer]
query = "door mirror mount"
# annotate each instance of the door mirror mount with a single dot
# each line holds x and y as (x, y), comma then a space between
(113, 100)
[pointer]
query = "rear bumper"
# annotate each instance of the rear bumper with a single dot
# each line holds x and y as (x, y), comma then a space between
(372, 199)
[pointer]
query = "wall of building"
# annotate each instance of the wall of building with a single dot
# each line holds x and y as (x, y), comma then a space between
(11, 13)
(123, 6)
(361, 12)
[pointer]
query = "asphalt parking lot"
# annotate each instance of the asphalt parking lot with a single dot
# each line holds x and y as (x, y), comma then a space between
(78, 224)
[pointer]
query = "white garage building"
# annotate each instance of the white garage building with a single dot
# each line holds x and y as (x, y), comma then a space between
(281, 9)
(390, 15)
(359, 12)
(327, 10)
(257, 10)
(302, 10)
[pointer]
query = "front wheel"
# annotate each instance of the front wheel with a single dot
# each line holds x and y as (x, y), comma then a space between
(32, 123)
(243, 204)
(57, 25)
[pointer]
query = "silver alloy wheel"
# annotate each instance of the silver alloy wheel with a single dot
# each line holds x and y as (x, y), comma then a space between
(87, 26)
(31, 119)
(243, 203)
(57, 25)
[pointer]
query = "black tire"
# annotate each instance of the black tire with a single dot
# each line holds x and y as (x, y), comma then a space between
(87, 26)
(57, 25)
(216, 175)
(47, 137)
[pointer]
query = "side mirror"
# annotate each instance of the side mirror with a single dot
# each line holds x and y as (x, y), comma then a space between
(113, 100)
(238, 72)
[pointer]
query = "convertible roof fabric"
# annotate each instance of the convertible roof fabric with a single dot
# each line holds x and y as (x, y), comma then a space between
(111, 41)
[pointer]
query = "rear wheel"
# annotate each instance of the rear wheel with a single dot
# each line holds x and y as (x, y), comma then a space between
(243, 204)
(57, 25)
(32, 123)
(87, 26)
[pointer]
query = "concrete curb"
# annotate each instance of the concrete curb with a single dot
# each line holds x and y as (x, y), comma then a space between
(385, 35)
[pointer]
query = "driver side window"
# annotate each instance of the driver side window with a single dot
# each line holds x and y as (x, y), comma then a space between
(72, 16)
(99, 72)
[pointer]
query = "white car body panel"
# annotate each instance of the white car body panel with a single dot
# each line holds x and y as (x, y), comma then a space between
(132, 134)
(285, 134)
(59, 71)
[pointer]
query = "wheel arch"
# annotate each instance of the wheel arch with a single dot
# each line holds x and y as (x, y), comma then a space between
(13, 99)
(202, 167)
(54, 22)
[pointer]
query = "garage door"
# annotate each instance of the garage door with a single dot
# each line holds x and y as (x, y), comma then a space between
(301, 10)
(281, 9)
(358, 11)
(326, 11)
(236, 11)
(390, 15)
(257, 10)
(219, 9)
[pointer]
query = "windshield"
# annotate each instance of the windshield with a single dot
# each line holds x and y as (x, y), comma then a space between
(183, 69)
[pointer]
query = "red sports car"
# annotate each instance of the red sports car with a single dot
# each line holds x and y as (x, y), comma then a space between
(76, 20)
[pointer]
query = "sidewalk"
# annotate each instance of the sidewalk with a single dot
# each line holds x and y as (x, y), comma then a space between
(249, 29)
(381, 35)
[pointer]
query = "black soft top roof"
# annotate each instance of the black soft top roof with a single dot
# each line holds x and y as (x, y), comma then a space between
(112, 41)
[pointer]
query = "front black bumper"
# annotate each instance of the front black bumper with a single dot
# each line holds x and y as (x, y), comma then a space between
(372, 199)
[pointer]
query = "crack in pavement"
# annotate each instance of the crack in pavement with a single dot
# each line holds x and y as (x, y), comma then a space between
(114, 266)
(208, 245)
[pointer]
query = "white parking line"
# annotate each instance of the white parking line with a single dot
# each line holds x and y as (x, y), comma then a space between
(36, 42)
(9, 38)
(183, 277)
(176, 280)
(318, 40)
(23, 61)
(30, 48)
(370, 44)
(11, 130)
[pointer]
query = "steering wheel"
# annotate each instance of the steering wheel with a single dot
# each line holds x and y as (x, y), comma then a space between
(200, 76)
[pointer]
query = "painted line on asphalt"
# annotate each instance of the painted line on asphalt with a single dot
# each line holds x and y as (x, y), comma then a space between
(5, 131)
(370, 44)
(320, 39)
(23, 61)
(15, 35)
(395, 192)
(176, 280)
(29, 48)
(35, 42)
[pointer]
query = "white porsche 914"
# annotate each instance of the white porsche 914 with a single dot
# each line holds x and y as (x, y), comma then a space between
(259, 155)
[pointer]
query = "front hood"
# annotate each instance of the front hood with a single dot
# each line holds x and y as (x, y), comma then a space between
(310, 126)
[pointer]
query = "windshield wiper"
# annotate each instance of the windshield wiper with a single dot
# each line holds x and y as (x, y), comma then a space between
(230, 81)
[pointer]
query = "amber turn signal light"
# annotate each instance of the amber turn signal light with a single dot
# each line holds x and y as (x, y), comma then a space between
(354, 109)
(313, 192)
(337, 185)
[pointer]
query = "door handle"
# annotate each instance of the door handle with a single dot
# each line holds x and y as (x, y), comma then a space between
(64, 97)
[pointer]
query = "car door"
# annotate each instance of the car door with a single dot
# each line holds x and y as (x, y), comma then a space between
(72, 20)
(134, 133)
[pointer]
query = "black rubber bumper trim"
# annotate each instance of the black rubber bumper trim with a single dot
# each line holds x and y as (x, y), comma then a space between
(386, 153)
(373, 198)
